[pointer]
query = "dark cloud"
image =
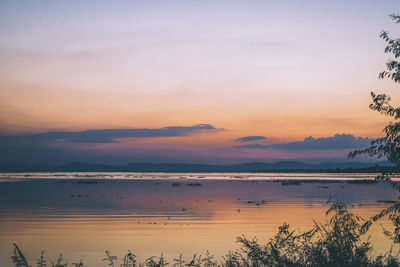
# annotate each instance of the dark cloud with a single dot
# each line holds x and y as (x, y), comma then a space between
(106, 135)
(38, 149)
(250, 138)
(339, 141)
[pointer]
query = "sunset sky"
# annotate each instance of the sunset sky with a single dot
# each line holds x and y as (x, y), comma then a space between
(190, 81)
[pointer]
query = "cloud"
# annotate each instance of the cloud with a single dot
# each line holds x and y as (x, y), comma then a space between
(338, 141)
(106, 135)
(250, 138)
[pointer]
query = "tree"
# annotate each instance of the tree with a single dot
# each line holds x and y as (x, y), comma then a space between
(389, 145)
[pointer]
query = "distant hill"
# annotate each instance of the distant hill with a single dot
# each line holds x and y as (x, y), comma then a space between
(167, 167)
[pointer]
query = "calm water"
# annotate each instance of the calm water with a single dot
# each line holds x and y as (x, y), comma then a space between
(83, 214)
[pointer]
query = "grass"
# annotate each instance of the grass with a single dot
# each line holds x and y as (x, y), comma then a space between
(362, 181)
(87, 182)
(341, 242)
(289, 182)
(193, 184)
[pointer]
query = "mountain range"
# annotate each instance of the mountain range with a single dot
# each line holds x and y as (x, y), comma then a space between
(176, 167)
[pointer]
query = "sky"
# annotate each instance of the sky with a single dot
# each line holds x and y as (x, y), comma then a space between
(190, 81)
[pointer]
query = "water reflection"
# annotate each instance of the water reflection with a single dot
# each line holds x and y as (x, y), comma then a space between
(83, 217)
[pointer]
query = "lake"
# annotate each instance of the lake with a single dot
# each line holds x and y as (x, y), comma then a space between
(83, 214)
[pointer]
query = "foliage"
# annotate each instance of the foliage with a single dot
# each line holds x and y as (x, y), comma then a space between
(154, 262)
(41, 262)
(111, 259)
(129, 260)
(392, 47)
(389, 145)
(179, 262)
(59, 262)
(18, 258)
(336, 244)
(78, 264)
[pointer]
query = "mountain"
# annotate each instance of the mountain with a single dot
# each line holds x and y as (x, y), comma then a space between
(176, 167)
(16, 167)
(86, 167)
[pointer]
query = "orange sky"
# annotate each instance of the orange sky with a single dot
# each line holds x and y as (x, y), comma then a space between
(279, 70)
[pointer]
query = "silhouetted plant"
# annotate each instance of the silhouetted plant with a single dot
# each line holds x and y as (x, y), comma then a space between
(18, 258)
(179, 262)
(161, 262)
(41, 262)
(59, 262)
(337, 243)
(195, 261)
(389, 145)
(129, 260)
(111, 259)
(341, 238)
(234, 259)
(393, 47)
(209, 260)
(78, 264)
